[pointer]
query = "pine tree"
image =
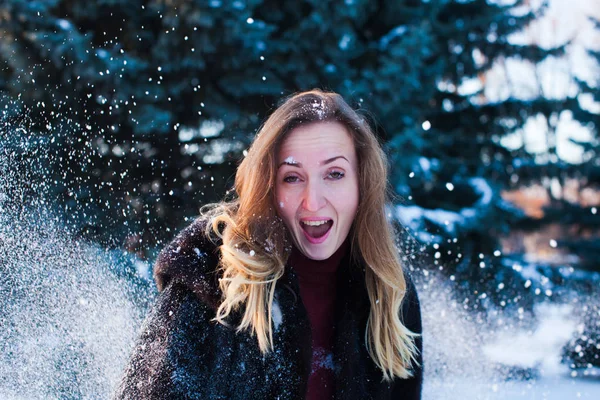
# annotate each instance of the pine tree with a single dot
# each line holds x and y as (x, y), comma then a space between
(582, 352)
(587, 218)
(460, 168)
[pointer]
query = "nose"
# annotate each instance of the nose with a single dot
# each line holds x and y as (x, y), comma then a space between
(313, 197)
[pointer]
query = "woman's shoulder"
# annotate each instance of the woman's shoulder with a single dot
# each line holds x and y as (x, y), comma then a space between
(173, 353)
(191, 260)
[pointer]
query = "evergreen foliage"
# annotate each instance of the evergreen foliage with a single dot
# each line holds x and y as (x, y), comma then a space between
(582, 352)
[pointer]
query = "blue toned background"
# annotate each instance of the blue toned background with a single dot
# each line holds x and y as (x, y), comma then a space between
(120, 118)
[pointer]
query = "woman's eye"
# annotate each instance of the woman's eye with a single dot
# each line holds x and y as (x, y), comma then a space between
(336, 175)
(290, 179)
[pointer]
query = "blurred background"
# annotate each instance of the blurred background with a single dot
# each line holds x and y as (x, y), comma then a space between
(120, 118)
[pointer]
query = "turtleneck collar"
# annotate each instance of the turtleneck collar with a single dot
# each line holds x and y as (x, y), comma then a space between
(317, 272)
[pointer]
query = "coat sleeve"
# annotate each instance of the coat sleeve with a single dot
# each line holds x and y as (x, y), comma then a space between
(175, 352)
(410, 389)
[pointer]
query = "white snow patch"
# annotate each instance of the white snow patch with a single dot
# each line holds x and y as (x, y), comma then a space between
(484, 189)
(319, 107)
(344, 42)
(540, 348)
(413, 216)
(425, 164)
(290, 160)
(199, 252)
(64, 24)
(322, 360)
(391, 35)
(143, 269)
(276, 314)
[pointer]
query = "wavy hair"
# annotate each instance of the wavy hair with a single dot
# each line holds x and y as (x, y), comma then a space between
(255, 246)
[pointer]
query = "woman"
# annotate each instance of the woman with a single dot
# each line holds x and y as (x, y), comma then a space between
(293, 290)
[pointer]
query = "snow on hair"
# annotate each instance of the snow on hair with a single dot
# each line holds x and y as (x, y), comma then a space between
(250, 223)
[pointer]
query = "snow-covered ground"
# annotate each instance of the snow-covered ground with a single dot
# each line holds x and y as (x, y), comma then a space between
(466, 360)
(548, 388)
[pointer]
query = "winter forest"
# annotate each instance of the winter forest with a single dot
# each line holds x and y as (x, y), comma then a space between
(121, 118)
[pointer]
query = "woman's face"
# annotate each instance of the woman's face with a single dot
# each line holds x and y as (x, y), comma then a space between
(317, 187)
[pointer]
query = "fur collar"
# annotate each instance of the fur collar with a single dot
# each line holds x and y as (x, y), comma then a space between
(191, 259)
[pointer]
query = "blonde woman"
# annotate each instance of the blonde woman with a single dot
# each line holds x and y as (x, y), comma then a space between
(294, 290)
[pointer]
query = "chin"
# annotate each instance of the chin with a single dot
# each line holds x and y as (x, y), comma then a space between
(318, 254)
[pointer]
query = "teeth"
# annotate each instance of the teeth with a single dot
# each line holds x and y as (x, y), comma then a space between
(315, 223)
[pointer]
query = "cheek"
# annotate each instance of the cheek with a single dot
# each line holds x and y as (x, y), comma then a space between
(282, 204)
(280, 198)
(347, 203)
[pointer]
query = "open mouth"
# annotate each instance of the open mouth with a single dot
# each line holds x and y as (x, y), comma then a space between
(316, 231)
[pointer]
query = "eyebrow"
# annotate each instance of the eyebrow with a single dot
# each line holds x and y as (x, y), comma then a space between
(299, 165)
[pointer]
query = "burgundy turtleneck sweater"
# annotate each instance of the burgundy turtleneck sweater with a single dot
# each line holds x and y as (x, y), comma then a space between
(318, 289)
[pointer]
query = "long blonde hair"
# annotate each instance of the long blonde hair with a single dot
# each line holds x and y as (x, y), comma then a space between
(255, 246)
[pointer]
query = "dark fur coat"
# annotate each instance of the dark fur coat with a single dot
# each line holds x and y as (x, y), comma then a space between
(182, 354)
